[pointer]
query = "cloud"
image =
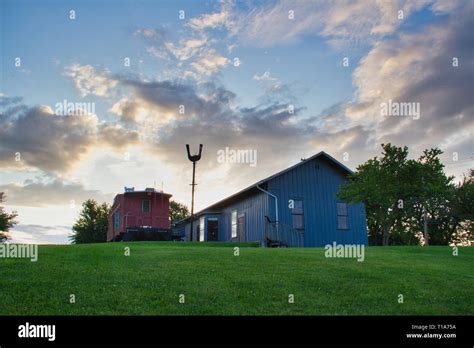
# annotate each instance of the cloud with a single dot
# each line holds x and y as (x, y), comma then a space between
(37, 234)
(9, 101)
(150, 33)
(166, 96)
(88, 81)
(43, 139)
(221, 18)
(266, 76)
(342, 23)
(127, 109)
(356, 144)
(56, 192)
(412, 67)
(208, 21)
(194, 56)
(155, 39)
(209, 62)
(116, 136)
(187, 48)
(212, 20)
(213, 118)
(153, 104)
(418, 67)
(36, 137)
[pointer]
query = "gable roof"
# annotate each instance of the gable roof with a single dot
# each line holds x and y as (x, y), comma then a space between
(253, 188)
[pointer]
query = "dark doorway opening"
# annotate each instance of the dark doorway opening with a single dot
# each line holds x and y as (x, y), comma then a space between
(212, 230)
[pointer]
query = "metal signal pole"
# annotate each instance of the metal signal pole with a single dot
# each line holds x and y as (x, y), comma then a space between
(194, 159)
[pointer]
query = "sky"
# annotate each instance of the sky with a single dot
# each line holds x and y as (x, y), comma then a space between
(283, 79)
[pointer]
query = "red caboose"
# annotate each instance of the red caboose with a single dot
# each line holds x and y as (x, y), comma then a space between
(139, 213)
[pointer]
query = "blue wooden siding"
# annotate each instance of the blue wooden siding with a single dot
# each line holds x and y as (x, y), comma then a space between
(197, 224)
(317, 183)
(254, 208)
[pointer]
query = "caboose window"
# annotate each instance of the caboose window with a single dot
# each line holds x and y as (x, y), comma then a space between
(145, 206)
(116, 220)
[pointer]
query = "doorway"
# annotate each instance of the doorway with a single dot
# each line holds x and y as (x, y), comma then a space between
(212, 230)
(241, 228)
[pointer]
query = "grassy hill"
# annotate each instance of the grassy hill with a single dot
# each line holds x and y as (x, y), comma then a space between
(215, 282)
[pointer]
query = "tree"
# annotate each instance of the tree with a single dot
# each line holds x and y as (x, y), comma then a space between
(7, 220)
(463, 211)
(92, 224)
(178, 212)
(428, 196)
(376, 183)
(403, 196)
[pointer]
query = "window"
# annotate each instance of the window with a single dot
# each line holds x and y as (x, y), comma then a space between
(234, 224)
(145, 206)
(297, 215)
(342, 216)
(201, 229)
(116, 220)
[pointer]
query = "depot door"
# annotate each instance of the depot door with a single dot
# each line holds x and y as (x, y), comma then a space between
(212, 230)
(241, 228)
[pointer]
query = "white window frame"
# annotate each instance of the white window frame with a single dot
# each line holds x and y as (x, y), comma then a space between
(233, 223)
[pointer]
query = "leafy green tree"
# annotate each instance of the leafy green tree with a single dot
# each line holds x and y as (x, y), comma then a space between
(428, 193)
(92, 224)
(7, 220)
(403, 195)
(178, 212)
(463, 211)
(377, 184)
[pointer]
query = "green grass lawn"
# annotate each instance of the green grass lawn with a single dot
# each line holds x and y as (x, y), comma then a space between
(215, 282)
